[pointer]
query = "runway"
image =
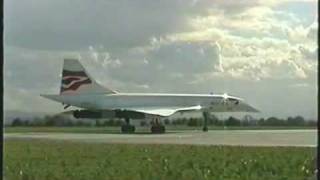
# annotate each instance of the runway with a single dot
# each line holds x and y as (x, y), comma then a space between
(214, 137)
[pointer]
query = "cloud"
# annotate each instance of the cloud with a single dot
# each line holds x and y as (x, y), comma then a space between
(162, 62)
(78, 24)
(300, 85)
(254, 49)
(313, 29)
(256, 43)
(309, 54)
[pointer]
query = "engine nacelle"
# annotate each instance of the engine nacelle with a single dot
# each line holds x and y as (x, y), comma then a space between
(93, 114)
(129, 114)
(108, 114)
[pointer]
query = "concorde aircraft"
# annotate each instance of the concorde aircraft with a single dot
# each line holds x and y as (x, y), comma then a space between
(80, 90)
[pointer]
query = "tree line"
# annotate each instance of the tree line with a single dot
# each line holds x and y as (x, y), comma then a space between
(232, 121)
(213, 121)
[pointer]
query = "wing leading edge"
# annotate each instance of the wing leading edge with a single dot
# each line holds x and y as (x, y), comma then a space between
(168, 111)
(163, 111)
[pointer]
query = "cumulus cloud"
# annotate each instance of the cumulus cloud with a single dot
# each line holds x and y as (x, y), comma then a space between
(79, 24)
(165, 46)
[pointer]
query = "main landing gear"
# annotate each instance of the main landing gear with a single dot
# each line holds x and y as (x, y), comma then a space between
(157, 128)
(205, 118)
(127, 128)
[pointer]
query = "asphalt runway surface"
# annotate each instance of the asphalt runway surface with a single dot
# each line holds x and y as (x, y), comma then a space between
(214, 137)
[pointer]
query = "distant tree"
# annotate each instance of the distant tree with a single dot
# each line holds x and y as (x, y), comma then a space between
(273, 121)
(261, 122)
(48, 121)
(37, 122)
(98, 123)
(26, 123)
(184, 121)
(106, 123)
(253, 122)
(61, 121)
(17, 122)
(174, 122)
(180, 121)
(143, 123)
(69, 122)
(193, 122)
(166, 121)
(110, 122)
(212, 120)
(82, 123)
(232, 121)
(245, 122)
(296, 121)
(219, 123)
(56, 121)
(312, 123)
(117, 122)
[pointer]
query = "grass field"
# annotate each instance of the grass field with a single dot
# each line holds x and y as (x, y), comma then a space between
(139, 129)
(40, 159)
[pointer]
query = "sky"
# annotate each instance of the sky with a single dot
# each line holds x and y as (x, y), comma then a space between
(264, 51)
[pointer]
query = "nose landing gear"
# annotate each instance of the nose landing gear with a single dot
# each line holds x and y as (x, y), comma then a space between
(157, 128)
(205, 118)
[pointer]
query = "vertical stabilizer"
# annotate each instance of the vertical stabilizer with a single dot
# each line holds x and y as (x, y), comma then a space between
(75, 80)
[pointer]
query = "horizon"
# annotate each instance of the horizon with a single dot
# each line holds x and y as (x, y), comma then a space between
(220, 115)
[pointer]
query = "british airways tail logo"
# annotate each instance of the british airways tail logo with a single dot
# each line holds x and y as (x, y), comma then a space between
(72, 80)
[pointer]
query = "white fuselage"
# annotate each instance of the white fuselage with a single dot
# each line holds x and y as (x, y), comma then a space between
(141, 100)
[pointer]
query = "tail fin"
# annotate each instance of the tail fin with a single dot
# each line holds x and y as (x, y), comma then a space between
(75, 80)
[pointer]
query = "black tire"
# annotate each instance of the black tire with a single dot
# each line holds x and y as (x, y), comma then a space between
(158, 129)
(205, 129)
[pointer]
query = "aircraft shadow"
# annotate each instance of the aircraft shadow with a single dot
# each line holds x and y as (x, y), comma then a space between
(141, 133)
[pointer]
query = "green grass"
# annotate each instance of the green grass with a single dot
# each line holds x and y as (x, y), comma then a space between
(139, 129)
(41, 159)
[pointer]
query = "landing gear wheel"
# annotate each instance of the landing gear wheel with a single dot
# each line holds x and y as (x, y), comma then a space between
(127, 128)
(158, 129)
(205, 122)
(205, 129)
